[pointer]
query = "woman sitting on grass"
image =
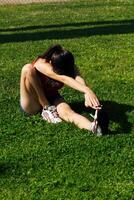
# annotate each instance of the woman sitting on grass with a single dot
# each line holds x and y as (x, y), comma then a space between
(40, 84)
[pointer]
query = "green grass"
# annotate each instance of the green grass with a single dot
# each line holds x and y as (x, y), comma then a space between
(54, 162)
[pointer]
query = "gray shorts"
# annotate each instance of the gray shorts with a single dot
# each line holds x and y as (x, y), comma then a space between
(53, 100)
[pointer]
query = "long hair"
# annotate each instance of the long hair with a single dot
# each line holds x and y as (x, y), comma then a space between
(61, 60)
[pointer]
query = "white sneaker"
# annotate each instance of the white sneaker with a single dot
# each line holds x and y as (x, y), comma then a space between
(50, 114)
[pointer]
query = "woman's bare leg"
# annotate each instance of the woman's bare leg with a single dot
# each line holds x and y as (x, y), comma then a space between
(67, 114)
(28, 97)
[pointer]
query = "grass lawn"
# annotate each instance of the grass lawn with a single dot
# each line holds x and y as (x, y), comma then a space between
(41, 161)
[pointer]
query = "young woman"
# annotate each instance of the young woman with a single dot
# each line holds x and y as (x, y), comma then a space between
(40, 84)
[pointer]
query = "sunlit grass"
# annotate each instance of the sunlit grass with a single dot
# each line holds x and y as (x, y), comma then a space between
(46, 161)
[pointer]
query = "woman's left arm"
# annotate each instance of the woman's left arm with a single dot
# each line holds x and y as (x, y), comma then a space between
(79, 79)
(76, 83)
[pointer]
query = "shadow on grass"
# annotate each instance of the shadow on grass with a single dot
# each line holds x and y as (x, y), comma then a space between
(28, 28)
(117, 114)
(71, 31)
(5, 168)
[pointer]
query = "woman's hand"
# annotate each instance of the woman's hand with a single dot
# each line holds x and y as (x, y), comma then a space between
(91, 100)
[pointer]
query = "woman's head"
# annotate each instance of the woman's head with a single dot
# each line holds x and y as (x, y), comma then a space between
(61, 60)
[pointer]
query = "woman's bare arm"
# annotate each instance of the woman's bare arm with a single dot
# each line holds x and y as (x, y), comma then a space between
(77, 84)
(90, 97)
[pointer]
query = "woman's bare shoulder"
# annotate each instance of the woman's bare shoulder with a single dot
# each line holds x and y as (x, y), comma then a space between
(43, 66)
(26, 67)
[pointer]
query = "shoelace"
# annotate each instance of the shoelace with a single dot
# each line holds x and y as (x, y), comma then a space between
(95, 122)
(53, 110)
(55, 114)
(51, 113)
(96, 114)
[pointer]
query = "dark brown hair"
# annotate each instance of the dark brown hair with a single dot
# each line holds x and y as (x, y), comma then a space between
(61, 60)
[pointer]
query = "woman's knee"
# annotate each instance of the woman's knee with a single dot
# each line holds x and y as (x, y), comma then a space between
(65, 112)
(28, 70)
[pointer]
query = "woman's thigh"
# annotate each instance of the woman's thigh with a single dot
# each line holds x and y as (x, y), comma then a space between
(28, 98)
